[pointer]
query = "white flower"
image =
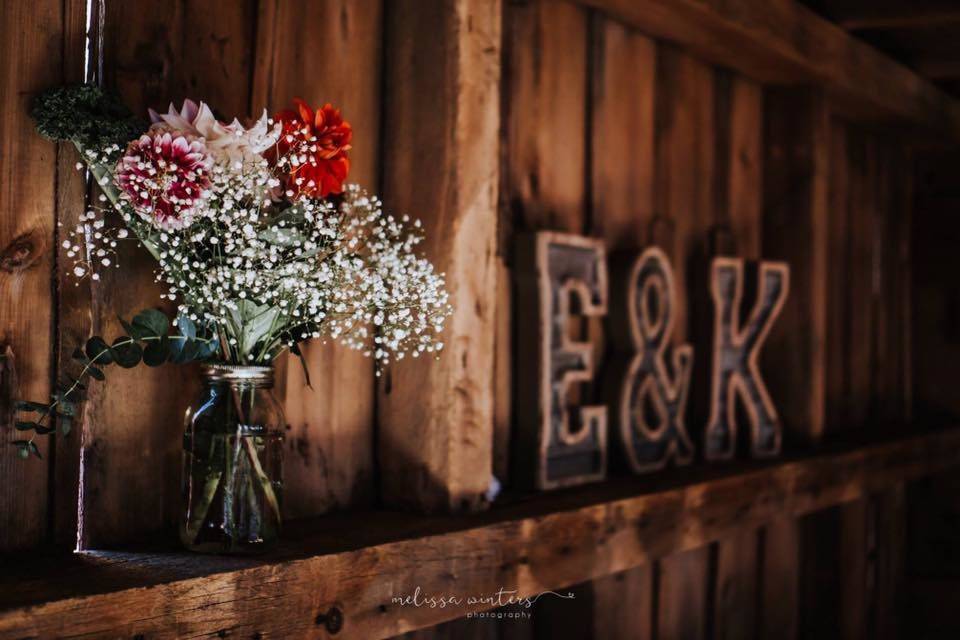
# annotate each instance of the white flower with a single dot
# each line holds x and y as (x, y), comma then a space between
(232, 142)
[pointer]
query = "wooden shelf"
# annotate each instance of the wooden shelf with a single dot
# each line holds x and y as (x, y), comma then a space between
(343, 572)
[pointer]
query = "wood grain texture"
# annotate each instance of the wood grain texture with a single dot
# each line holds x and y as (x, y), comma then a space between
(779, 600)
(153, 54)
(798, 178)
(73, 316)
(623, 75)
(543, 155)
(783, 42)
(739, 201)
(326, 52)
(795, 230)
(545, 116)
(31, 53)
(855, 589)
(838, 301)
(435, 417)
(735, 588)
(359, 563)
(684, 197)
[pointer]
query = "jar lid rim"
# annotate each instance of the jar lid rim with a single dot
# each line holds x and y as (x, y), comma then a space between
(239, 372)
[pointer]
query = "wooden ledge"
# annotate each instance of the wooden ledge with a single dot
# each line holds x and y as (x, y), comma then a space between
(342, 573)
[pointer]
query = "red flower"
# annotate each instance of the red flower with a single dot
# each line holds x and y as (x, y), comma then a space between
(312, 149)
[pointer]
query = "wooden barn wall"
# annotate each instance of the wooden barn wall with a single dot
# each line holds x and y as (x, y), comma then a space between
(604, 132)
(237, 56)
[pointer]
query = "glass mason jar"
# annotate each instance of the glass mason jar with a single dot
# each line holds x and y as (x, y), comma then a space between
(232, 463)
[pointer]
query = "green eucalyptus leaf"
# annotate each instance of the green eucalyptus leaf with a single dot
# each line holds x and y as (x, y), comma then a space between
(96, 373)
(137, 333)
(23, 448)
(182, 350)
(43, 429)
(99, 351)
(156, 352)
(26, 405)
(127, 354)
(187, 327)
(66, 425)
(34, 449)
(22, 425)
(151, 322)
(80, 356)
(207, 349)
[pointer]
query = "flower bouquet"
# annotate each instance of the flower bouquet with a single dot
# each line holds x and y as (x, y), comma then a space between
(260, 245)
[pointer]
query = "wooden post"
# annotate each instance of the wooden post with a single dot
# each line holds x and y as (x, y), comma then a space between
(440, 147)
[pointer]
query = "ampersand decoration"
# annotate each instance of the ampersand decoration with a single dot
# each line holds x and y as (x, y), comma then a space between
(650, 398)
(560, 276)
(735, 372)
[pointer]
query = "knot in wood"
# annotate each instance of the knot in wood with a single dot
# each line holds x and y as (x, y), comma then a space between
(332, 620)
(20, 254)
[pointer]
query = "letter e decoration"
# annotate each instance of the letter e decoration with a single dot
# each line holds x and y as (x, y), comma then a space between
(735, 372)
(559, 277)
(650, 398)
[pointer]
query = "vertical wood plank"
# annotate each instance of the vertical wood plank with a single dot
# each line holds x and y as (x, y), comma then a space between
(739, 180)
(153, 54)
(838, 299)
(861, 167)
(796, 198)
(436, 416)
(326, 52)
(796, 192)
(864, 318)
(854, 589)
(30, 60)
(73, 298)
(887, 619)
(623, 78)
(623, 605)
(779, 597)
(543, 155)
(623, 72)
(685, 197)
(545, 116)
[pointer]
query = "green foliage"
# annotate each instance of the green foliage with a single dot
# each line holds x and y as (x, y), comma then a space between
(148, 340)
(86, 115)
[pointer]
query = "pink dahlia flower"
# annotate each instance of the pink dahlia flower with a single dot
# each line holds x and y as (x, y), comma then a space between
(165, 175)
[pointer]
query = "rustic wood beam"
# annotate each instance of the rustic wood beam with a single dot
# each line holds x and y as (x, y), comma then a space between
(342, 579)
(440, 164)
(939, 68)
(905, 16)
(782, 42)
